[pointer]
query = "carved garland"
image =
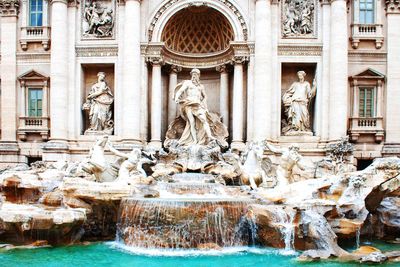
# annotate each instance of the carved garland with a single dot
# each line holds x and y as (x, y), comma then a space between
(170, 3)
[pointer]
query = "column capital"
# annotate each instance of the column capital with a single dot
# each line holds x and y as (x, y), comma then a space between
(9, 8)
(123, 2)
(325, 2)
(175, 68)
(222, 69)
(155, 60)
(392, 6)
(239, 59)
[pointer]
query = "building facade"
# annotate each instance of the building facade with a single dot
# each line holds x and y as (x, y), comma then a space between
(54, 54)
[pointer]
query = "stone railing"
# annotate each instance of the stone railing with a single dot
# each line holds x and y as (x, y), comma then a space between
(366, 32)
(366, 126)
(40, 34)
(33, 125)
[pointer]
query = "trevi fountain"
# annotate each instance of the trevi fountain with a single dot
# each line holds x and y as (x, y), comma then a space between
(195, 201)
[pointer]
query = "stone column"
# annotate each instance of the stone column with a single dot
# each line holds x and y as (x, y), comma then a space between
(237, 103)
(323, 88)
(131, 73)
(173, 81)
(338, 70)
(156, 103)
(262, 74)
(392, 120)
(224, 94)
(9, 14)
(59, 72)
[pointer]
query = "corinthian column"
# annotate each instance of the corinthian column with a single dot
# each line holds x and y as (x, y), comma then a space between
(156, 103)
(59, 72)
(338, 69)
(9, 13)
(262, 72)
(224, 94)
(392, 142)
(173, 80)
(237, 109)
(131, 73)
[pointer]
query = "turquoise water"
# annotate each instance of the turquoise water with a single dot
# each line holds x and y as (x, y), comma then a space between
(107, 254)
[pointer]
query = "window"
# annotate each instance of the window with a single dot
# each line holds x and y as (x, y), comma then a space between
(36, 13)
(366, 104)
(35, 98)
(367, 13)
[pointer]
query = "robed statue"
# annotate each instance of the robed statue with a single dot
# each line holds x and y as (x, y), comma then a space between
(195, 125)
(296, 102)
(98, 103)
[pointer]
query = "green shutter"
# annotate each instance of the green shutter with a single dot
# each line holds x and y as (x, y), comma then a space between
(35, 99)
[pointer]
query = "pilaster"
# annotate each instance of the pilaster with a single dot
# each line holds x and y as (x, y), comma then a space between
(8, 23)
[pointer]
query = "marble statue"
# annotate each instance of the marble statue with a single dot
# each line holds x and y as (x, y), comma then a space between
(296, 104)
(195, 125)
(256, 169)
(290, 159)
(98, 103)
(131, 170)
(97, 165)
(298, 18)
(98, 20)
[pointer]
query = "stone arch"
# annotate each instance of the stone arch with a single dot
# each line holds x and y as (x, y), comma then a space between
(171, 7)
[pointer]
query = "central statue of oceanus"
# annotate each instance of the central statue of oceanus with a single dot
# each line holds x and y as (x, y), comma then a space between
(195, 125)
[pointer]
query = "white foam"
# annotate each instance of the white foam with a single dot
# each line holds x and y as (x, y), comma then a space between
(196, 252)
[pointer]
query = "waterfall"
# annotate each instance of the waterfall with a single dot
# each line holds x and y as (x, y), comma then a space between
(358, 237)
(284, 220)
(185, 223)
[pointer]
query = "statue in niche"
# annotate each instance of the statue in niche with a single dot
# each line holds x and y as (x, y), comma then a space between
(195, 125)
(98, 103)
(296, 104)
(298, 18)
(98, 20)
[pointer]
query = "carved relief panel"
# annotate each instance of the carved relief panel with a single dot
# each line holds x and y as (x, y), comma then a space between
(98, 19)
(299, 18)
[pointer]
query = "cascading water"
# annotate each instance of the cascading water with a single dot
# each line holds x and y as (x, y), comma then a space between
(183, 223)
(285, 218)
(190, 213)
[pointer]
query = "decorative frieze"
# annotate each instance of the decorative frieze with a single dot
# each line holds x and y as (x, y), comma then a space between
(290, 50)
(9, 7)
(98, 19)
(298, 19)
(102, 51)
